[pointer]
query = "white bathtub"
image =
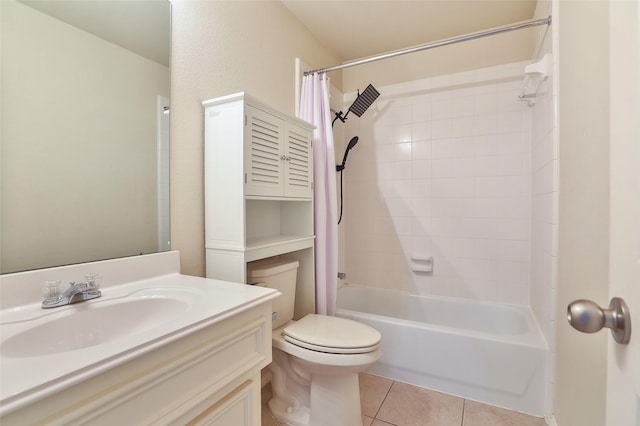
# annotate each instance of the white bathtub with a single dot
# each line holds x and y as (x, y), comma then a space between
(487, 352)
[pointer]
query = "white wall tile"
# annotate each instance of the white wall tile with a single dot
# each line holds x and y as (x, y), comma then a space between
(402, 113)
(452, 187)
(463, 126)
(485, 166)
(402, 151)
(402, 133)
(441, 105)
(463, 104)
(402, 170)
(421, 188)
(421, 131)
(463, 146)
(486, 124)
(421, 226)
(441, 148)
(421, 150)
(458, 168)
(421, 169)
(441, 128)
(441, 167)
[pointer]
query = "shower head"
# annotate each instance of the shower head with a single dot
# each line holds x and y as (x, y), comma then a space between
(360, 105)
(352, 143)
(364, 100)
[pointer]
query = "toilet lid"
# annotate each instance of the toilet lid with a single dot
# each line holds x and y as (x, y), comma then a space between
(332, 335)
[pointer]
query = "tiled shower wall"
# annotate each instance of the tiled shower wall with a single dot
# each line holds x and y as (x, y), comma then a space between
(442, 169)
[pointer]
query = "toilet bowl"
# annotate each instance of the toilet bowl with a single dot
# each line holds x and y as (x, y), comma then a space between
(316, 360)
(320, 386)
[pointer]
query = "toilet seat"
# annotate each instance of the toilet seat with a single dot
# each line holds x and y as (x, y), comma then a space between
(332, 335)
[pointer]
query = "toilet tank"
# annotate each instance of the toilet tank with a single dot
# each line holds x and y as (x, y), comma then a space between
(279, 273)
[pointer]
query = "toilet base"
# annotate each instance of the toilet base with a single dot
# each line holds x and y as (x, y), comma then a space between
(335, 400)
(284, 412)
(312, 388)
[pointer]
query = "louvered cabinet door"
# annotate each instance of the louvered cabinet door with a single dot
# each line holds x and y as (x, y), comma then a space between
(264, 153)
(298, 162)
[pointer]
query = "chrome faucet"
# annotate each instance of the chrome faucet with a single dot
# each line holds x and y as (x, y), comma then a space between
(77, 292)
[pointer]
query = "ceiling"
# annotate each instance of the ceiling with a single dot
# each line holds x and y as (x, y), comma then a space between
(359, 28)
(352, 29)
(141, 26)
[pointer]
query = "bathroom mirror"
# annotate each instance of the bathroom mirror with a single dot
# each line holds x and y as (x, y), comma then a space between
(85, 131)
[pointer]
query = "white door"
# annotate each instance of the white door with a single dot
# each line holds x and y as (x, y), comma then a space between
(623, 374)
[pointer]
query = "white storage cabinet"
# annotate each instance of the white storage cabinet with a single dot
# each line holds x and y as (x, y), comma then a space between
(258, 190)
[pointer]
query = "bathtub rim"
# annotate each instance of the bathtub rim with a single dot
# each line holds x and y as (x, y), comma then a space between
(533, 338)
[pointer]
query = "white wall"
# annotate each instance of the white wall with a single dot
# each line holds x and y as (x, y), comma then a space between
(66, 139)
(468, 56)
(443, 168)
(219, 48)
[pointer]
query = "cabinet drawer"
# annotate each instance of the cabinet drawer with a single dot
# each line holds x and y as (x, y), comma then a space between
(222, 364)
(239, 408)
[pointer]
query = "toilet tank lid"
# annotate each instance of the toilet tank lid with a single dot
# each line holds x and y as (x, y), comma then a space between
(270, 266)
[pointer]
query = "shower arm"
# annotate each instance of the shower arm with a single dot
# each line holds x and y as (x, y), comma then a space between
(340, 116)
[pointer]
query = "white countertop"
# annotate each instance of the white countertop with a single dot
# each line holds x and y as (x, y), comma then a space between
(26, 375)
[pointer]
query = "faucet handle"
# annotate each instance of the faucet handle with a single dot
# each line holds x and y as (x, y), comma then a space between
(51, 289)
(93, 281)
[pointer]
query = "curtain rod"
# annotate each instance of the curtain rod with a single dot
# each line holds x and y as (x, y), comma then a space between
(472, 36)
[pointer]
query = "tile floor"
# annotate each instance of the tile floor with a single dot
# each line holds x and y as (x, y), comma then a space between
(389, 403)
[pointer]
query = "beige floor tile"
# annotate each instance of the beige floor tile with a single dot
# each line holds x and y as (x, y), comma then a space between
(408, 405)
(373, 390)
(478, 414)
(381, 423)
(267, 418)
(367, 421)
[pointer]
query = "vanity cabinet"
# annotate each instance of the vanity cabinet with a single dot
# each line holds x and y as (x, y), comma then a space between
(258, 176)
(209, 377)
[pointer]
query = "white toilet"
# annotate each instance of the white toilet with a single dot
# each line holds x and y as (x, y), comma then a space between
(316, 360)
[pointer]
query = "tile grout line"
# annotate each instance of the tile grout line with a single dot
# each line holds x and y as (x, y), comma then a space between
(464, 403)
(375, 417)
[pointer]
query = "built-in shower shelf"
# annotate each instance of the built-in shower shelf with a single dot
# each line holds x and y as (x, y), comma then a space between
(259, 248)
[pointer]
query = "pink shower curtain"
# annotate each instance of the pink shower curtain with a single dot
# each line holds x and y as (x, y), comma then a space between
(314, 108)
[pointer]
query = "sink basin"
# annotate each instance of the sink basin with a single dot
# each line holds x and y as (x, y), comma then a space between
(89, 324)
(147, 309)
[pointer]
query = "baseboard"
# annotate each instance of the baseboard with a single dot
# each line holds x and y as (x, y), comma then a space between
(551, 420)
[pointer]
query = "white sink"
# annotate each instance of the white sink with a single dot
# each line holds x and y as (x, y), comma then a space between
(89, 324)
(146, 305)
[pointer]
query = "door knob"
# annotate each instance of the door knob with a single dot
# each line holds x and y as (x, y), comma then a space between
(586, 316)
